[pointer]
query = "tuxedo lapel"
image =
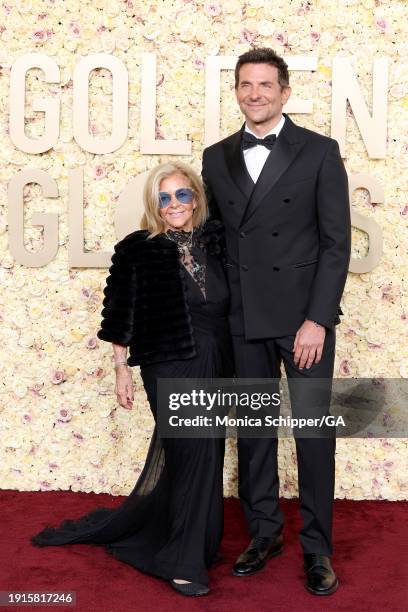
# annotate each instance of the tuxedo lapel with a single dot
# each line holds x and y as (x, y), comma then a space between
(234, 158)
(286, 148)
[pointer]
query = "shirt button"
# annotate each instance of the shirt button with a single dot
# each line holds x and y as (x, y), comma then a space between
(244, 268)
(231, 203)
(286, 200)
(243, 235)
(275, 269)
(275, 233)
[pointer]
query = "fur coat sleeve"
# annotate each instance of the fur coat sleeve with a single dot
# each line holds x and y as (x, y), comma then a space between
(118, 322)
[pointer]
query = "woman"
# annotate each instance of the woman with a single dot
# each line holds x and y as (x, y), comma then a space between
(166, 298)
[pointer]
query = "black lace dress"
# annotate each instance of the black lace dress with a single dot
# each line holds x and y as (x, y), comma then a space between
(171, 524)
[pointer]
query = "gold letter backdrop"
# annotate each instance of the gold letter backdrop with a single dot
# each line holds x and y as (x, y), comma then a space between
(60, 424)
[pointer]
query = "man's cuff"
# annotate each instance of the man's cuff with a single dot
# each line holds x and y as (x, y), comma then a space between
(317, 323)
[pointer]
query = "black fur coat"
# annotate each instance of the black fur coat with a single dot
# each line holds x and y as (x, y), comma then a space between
(145, 305)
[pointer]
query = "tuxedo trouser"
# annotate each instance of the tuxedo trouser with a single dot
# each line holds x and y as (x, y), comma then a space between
(258, 457)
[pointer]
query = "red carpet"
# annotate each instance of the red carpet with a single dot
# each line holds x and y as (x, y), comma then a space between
(371, 560)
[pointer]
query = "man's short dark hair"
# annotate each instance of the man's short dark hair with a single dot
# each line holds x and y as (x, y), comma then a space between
(264, 55)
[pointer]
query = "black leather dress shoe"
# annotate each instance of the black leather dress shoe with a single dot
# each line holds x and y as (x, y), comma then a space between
(190, 589)
(254, 558)
(320, 577)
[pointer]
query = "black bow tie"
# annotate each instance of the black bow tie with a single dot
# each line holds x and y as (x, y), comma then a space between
(249, 140)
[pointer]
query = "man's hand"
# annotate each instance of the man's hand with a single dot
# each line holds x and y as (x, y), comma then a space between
(308, 345)
(124, 387)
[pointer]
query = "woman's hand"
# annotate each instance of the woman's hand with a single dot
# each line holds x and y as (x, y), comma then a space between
(124, 386)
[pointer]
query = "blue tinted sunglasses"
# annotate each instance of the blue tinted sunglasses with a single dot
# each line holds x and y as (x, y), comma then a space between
(184, 195)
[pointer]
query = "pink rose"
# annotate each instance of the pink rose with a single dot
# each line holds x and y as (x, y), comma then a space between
(58, 376)
(64, 415)
(198, 63)
(91, 343)
(212, 9)
(99, 172)
(373, 346)
(345, 367)
(247, 37)
(382, 25)
(75, 29)
(45, 485)
(281, 37)
(39, 36)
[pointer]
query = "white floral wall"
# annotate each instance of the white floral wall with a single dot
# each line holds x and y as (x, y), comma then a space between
(60, 424)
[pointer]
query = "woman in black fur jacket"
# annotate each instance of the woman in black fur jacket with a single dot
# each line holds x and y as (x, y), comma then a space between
(166, 299)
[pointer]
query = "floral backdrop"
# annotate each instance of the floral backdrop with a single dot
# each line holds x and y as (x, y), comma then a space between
(60, 424)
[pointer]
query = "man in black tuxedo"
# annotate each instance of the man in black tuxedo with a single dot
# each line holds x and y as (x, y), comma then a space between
(282, 194)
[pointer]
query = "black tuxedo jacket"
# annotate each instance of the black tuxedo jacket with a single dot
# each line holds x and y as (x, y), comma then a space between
(288, 236)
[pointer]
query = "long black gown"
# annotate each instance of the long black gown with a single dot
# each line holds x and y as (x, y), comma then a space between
(171, 524)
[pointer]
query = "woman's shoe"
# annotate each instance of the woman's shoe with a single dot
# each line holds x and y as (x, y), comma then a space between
(191, 589)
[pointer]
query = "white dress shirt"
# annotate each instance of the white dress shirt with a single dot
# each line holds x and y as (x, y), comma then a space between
(256, 156)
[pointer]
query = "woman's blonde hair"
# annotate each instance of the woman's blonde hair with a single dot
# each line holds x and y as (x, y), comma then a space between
(151, 220)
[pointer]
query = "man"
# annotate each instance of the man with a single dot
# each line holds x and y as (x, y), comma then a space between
(282, 194)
